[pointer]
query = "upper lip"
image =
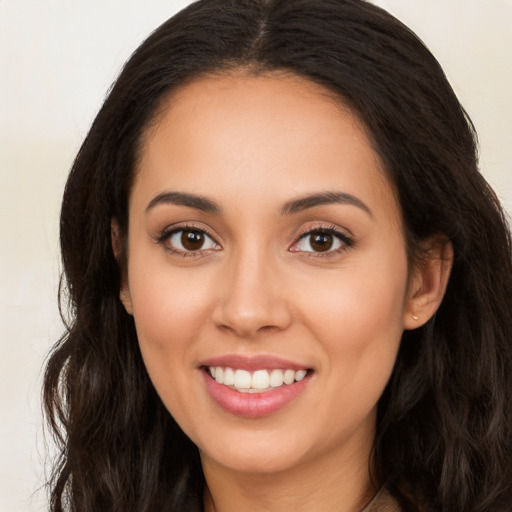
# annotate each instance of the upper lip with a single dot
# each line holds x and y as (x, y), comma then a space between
(254, 362)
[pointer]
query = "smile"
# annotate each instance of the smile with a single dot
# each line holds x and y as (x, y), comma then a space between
(255, 387)
(259, 381)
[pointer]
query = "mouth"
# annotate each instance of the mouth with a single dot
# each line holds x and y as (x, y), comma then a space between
(257, 386)
(258, 381)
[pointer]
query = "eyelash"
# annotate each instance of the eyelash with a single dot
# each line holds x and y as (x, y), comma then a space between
(167, 233)
(346, 240)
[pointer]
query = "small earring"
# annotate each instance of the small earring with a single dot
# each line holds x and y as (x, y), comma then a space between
(414, 317)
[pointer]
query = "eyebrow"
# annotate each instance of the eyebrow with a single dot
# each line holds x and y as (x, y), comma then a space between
(294, 206)
(185, 199)
(323, 198)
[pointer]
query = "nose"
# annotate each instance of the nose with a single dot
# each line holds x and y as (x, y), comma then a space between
(252, 297)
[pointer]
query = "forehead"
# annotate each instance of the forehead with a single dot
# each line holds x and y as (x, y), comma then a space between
(276, 133)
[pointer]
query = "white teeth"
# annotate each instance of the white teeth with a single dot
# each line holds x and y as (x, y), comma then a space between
(219, 375)
(258, 381)
(276, 378)
(229, 377)
(289, 377)
(242, 379)
(300, 375)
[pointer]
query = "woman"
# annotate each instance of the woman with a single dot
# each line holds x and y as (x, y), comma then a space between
(289, 283)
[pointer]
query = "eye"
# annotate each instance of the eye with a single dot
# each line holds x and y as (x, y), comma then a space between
(189, 240)
(323, 240)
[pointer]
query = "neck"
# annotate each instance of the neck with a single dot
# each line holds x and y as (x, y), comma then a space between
(329, 483)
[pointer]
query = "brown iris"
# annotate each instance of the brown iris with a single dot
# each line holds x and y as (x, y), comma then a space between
(321, 242)
(192, 240)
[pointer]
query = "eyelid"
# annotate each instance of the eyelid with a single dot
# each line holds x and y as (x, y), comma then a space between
(325, 227)
(342, 234)
(166, 233)
(186, 226)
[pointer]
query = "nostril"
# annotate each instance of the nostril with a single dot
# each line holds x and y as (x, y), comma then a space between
(268, 328)
(246, 331)
(238, 315)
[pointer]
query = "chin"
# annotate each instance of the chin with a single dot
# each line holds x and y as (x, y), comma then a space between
(260, 453)
(254, 461)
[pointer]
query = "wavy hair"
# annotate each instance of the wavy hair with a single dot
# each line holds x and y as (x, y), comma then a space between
(444, 440)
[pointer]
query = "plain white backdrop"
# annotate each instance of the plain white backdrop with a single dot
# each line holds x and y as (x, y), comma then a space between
(57, 60)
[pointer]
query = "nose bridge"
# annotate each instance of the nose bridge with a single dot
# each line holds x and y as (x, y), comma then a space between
(252, 298)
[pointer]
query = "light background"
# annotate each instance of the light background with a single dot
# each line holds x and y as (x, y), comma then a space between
(57, 60)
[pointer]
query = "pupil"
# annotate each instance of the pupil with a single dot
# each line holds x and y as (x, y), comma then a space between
(192, 240)
(321, 242)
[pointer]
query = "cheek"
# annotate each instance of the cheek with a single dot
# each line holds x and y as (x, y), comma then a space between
(359, 322)
(168, 303)
(169, 309)
(363, 302)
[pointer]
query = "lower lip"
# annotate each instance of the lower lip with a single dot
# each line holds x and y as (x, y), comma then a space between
(254, 405)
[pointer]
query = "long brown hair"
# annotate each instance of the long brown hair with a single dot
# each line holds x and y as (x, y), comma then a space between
(444, 439)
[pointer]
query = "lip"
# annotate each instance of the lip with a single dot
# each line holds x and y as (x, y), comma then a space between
(254, 405)
(252, 363)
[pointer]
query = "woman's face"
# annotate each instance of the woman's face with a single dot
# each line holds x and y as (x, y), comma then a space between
(265, 247)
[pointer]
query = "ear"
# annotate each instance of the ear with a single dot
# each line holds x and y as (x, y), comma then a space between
(120, 256)
(428, 281)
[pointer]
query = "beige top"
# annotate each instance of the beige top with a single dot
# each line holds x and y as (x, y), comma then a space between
(382, 502)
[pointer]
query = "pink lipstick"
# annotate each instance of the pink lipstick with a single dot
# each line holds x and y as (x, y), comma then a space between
(254, 386)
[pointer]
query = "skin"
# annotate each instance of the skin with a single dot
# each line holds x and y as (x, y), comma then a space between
(250, 145)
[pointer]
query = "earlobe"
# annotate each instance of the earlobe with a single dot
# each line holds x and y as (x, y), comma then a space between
(124, 297)
(124, 293)
(428, 282)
